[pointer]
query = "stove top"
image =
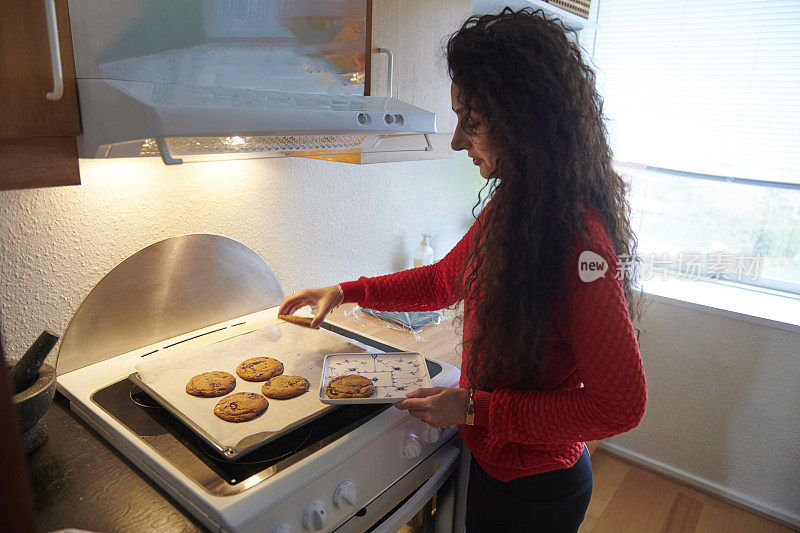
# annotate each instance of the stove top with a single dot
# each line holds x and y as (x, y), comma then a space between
(191, 291)
(171, 439)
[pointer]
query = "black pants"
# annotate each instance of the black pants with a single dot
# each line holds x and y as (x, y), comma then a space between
(554, 501)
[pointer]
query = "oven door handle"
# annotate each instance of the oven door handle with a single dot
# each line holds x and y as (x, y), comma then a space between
(395, 521)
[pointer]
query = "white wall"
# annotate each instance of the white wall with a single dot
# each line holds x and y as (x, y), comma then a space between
(723, 409)
(314, 222)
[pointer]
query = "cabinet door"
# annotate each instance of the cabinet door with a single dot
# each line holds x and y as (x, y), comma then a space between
(37, 136)
(27, 162)
(26, 74)
(416, 32)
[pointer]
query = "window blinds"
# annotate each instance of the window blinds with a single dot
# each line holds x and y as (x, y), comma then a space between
(710, 87)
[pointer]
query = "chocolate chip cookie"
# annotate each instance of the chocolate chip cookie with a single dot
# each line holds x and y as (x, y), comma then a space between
(297, 320)
(241, 407)
(284, 387)
(211, 384)
(259, 368)
(350, 386)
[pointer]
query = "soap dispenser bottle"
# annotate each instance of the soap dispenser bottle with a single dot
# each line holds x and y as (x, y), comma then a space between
(423, 255)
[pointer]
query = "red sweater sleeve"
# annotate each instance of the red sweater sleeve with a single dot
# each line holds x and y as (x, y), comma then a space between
(595, 322)
(417, 289)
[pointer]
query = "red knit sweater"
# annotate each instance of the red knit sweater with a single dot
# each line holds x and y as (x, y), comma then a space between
(594, 386)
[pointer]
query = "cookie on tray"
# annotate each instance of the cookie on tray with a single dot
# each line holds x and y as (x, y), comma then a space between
(297, 320)
(259, 368)
(241, 407)
(350, 386)
(284, 387)
(211, 384)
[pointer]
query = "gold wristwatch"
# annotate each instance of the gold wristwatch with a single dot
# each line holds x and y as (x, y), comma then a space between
(470, 407)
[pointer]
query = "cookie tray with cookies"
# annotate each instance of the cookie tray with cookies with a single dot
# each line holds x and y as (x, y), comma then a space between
(299, 350)
(359, 378)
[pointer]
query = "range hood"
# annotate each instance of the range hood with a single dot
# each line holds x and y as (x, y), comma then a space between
(199, 122)
(221, 79)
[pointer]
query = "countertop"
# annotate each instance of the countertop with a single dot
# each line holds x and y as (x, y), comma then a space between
(80, 481)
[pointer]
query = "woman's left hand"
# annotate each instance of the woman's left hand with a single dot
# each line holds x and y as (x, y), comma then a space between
(438, 406)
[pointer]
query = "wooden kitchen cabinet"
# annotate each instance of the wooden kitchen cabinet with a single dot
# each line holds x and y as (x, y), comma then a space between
(37, 135)
(416, 32)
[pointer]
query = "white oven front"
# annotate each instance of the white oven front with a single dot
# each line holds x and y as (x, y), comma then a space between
(378, 488)
(355, 482)
(425, 496)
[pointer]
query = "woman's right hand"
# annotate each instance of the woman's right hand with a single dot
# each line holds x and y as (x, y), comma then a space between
(324, 299)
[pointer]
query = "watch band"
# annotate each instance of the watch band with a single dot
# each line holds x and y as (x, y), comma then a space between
(470, 421)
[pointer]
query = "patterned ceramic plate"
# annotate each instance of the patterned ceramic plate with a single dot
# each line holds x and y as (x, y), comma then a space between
(392, 374)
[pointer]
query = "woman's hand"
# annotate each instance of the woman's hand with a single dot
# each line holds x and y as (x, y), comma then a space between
(437, 406)
(323, 299)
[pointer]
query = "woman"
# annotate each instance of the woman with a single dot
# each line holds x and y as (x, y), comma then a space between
(550, 358)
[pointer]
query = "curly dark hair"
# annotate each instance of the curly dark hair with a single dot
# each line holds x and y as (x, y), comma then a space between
(525, 82)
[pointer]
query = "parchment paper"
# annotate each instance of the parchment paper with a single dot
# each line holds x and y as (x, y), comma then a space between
(301, 350)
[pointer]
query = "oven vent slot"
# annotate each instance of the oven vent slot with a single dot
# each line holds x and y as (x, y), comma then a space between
(191, 338)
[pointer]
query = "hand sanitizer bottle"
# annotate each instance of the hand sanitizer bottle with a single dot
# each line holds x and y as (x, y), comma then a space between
(423, 255)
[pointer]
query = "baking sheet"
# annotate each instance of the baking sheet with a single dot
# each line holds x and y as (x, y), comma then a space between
(392, 374)
(301, 350)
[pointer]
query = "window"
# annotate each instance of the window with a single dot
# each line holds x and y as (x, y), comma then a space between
(703, 102)
(742, 232)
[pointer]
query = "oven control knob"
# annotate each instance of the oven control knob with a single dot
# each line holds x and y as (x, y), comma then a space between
(431, 434)
(315, 517)
(345, 495)
(411, 447)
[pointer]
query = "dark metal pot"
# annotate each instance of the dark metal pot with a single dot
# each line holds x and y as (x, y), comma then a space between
(31, 404)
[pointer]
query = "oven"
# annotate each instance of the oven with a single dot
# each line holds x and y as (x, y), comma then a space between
(349, 468)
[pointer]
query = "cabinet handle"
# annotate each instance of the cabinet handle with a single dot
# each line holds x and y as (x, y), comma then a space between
(55, 51)
(390, 73)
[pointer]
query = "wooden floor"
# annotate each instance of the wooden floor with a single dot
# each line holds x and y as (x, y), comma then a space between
(627, 499)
